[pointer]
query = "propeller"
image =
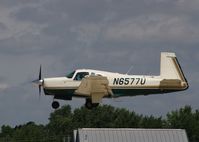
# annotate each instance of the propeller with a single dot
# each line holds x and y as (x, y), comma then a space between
(39, 81)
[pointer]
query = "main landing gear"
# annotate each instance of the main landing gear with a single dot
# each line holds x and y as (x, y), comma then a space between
(89, 104)
(55, 104)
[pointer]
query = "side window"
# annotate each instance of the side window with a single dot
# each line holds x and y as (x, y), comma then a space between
(80, 75)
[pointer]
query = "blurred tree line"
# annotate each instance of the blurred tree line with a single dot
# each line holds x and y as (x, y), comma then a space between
(63, 121)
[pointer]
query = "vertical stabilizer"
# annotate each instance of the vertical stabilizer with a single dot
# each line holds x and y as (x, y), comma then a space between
(170, 68)
(171, 72)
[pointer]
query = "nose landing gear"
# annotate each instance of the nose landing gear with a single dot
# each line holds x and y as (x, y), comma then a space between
(55, 104)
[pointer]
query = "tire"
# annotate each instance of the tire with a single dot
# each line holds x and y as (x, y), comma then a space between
(55, 104)
(89, 104)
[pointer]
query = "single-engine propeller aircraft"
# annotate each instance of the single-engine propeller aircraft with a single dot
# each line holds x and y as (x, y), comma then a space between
(93, 85)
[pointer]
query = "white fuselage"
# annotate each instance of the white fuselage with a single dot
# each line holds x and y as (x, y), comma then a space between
(121, 84)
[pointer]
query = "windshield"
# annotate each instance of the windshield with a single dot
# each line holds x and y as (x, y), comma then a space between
(70, 75)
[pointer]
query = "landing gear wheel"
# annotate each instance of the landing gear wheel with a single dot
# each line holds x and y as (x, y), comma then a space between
(55, 104)
(89, 104)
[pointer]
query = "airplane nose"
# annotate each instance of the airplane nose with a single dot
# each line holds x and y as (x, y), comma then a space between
(38, 82)
(41, 82)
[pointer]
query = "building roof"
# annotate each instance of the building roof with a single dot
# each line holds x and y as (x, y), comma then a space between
(129, 135)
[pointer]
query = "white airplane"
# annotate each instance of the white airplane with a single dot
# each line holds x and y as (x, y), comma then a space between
(93, 85)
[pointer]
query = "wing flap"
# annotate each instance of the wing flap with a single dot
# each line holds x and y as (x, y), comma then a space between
(95, 87)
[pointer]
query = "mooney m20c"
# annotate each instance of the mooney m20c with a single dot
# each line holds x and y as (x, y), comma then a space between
(93, 85)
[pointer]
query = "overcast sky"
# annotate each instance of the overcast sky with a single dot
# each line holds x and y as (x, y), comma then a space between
(110, 35)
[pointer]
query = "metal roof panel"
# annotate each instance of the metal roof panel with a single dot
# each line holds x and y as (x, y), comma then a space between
(130, 135)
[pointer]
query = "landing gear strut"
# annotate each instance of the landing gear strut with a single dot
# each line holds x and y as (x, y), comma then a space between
(89, 104)
(55, 104)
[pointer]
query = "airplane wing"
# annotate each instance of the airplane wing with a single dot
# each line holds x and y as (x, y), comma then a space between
(95, 87)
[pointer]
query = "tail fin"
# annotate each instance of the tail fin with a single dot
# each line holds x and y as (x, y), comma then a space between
(170, 67)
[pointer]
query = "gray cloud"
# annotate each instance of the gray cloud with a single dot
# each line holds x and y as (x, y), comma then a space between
(3, 86)
(154, 28)
(14, 3)
(2, 27)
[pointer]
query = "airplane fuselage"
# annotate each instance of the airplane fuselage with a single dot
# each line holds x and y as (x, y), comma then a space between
(120, 84)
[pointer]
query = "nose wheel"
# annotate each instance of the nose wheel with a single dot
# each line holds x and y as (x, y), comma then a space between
(55, 104)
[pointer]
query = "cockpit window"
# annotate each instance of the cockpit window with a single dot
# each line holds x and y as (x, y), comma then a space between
(80, 75)
(70, 75)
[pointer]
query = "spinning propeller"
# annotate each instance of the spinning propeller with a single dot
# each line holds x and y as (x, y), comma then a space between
(39, 81)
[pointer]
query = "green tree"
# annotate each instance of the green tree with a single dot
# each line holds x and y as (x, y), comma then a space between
(60, 121)
(102, 116)
(29, 132)
(123, 118)
(185, 119)
(6, 131)
(151, 122)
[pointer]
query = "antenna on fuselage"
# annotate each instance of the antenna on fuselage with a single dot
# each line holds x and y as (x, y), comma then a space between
(129, 69)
